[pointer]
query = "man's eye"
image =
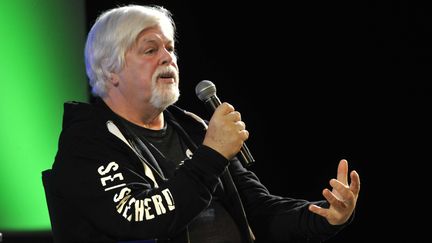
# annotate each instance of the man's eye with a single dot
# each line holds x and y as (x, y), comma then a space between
(149, 51)
(170, 49)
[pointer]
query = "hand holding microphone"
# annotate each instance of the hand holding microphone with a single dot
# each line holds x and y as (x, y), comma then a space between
(226, 132)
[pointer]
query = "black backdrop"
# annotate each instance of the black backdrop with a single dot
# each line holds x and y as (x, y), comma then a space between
(316, 82)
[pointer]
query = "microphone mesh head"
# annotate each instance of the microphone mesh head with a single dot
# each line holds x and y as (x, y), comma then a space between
(205, 89)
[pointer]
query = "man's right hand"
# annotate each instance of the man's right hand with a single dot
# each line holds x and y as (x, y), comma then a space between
(226, 131)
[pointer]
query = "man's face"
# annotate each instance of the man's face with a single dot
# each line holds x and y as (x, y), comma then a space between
(150, 73)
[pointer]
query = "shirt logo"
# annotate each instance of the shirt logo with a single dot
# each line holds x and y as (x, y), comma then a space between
(130, 208)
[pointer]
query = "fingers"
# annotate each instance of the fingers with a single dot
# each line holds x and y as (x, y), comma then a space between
(342, 175)
(355, 182)
(342, 198)
(318, 210)
(342, 193)
(332, 198)
(240, 125)
(235, 116)
(224, 108)
(244, 134)
(226, 131)
(342, 172)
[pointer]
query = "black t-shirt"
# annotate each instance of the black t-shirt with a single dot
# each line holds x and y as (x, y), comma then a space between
(214, 224)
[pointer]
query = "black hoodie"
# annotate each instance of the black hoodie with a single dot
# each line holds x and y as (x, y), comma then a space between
(105, 186)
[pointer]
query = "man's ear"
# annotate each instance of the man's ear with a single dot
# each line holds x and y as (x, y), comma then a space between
(114, 79)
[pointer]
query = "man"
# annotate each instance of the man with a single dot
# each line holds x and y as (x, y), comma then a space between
(132, 166)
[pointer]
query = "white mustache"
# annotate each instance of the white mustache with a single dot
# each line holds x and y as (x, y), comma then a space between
(167, 71)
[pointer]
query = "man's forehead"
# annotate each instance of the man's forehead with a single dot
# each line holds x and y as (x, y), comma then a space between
(153, 34)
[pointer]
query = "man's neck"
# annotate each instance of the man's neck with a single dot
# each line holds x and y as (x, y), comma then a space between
(144, 115)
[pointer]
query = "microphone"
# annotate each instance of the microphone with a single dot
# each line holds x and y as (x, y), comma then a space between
(206, 92)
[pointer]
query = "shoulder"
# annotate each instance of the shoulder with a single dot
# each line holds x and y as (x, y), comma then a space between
(82, 119)
(85, 132)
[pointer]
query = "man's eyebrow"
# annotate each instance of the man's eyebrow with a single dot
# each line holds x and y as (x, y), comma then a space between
(156, 40)
(147, 40)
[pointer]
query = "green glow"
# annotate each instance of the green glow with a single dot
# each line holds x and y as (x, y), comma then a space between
(41, 66)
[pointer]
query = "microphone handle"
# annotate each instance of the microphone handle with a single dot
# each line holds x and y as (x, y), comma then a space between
(244, 154)
(212, 103)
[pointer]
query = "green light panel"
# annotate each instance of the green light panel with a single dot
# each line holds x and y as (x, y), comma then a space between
(41, 66)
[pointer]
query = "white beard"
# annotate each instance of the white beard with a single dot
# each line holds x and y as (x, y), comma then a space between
(164, 95)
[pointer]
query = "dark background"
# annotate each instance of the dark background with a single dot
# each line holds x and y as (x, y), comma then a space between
(315, 82)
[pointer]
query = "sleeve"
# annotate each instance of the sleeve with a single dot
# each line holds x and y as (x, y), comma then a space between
(275, 218)
(105, 184)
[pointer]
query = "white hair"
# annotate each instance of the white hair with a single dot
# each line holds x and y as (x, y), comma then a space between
(113, 33)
